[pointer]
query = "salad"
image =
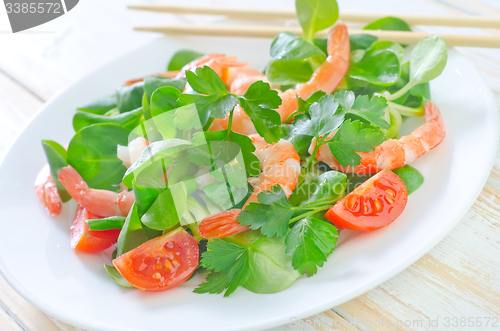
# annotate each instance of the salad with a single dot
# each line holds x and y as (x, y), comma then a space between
(248, 176)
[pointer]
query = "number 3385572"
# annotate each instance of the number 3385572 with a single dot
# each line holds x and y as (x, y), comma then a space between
(33, 8)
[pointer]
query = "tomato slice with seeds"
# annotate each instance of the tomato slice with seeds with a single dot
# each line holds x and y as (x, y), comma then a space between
(83, 239)
(221, 225)
(160, 263)
(374, 204)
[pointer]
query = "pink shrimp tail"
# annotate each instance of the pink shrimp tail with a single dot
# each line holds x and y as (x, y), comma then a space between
(98, 202)
(327, 77)
(47, 192)
(393, 153)
(331, 73)
(73, 183)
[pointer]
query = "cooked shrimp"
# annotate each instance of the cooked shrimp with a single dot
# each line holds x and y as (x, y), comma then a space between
(47, 191)
(129, 154)
(393, 153)
(99, 202)
(240, 79)
(218, 62)
(280, 164)
(326, 78)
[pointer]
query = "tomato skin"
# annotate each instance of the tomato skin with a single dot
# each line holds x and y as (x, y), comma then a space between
(221, 225)
(374, 204)
(160, 263)
(83, 239)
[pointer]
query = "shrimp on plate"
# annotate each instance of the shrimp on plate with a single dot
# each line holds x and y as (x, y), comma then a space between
(326, 78)
(220, 63)
(47, 191)
(393, 153)
(280, 164)
(98, 202)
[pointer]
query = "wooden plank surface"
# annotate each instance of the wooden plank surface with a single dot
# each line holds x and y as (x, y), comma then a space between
(460, 277)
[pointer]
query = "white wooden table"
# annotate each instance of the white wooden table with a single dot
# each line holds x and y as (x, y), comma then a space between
(460, 277)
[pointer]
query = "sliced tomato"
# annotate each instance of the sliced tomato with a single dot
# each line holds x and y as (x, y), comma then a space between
(90, 241)
(160, 263)
(221, 225)
(372, 205)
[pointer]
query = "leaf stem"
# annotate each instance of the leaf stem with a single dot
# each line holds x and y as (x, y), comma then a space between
(289, 118)
(256, 242)
(313, 155)
(314, 211)
(406, 111)
(401, 92)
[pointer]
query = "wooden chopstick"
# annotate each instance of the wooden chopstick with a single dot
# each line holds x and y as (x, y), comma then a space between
(461, 21)
(272, 31)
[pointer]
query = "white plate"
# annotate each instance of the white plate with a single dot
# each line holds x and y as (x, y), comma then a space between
(36, 258)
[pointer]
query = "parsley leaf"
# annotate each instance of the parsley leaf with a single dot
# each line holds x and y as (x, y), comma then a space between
(352, 138)
(271, 215)
(187, 118)
(309, 243)
(325, 116)
(218, 148)
(371, 110)
(231, 265)
(206, 81)
(215, 102)
(221, 255)
(258, 103)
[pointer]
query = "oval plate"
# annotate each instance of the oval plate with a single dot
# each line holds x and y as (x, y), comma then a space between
(37, 261)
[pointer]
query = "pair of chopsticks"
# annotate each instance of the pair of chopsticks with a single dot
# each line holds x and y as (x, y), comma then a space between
(271, 31)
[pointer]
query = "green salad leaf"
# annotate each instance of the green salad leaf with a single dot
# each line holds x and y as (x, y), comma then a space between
(309, 243)
(287, 46)
(221, 147)
(271, 270)
(146, 190)
(100, 106)
(168, 208)
(232, 262)
(92, 152)
(388, 23)
(361, 41)
(316, 15)
(258, 103)
(216, 101)
(271, 215)
(329, 187)
(378, 67)
(132, 233)
(427, 62)
(152, 83)
(412, 178)
(161, 153)
(352, 138)
(108, 223)
(129, 97)
(181, 58)
(289, 72)
(128, 120)
(428, 59)
(115, 275)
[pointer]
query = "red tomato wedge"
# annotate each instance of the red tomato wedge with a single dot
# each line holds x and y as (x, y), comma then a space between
(221, 225)
(374, 204)
(90, 241)
(160, 263)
